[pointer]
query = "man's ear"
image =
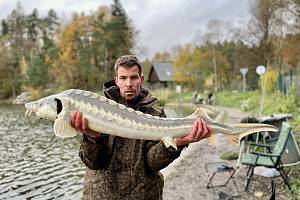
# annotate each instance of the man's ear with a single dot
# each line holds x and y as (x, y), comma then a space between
(116, 80)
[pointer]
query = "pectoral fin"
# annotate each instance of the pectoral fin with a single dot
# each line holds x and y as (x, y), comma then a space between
(63, 128)
(213, 139)
(169, 141)
(235, 139)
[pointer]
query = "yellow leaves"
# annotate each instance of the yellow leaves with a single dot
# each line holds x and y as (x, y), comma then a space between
(181, 64)
(23, 66)
(184, 65)
(270, 80)
(69, 44)
(36, 92)
(162, 57)
(209, 82)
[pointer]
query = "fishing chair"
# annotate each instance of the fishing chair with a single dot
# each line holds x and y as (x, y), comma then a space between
(271, 159)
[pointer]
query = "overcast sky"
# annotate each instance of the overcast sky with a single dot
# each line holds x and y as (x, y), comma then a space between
(162, 24)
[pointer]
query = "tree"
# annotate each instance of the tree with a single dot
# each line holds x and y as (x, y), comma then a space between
(15, 45)
(162, 57)
(37, 74)
(4, 27)
(119, 36)
(182, 66)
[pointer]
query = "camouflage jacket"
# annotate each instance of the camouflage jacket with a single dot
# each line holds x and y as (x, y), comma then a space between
(121, 168)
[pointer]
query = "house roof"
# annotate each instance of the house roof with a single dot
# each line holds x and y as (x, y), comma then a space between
(164, 71)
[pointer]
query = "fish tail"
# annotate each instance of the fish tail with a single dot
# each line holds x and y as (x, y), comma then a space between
(247, 129)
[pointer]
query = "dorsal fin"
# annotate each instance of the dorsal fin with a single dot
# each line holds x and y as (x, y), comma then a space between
(201, 113)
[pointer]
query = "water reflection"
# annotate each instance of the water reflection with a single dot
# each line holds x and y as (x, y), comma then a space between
(34, 163)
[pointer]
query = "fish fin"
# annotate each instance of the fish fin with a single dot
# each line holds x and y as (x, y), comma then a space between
(256, 127)
(220, 118)
(63, 128)
(201, 113)
(169, 141)
(247, 129)
(213, 139)
(235, 139)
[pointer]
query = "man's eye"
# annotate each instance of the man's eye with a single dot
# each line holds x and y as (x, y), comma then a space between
(134, 77)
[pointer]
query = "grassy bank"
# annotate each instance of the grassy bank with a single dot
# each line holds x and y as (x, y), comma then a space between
(246, 101)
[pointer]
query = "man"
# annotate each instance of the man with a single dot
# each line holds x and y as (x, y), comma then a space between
(122, 168)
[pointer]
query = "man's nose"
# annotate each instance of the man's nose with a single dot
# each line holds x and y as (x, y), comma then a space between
(128, 82)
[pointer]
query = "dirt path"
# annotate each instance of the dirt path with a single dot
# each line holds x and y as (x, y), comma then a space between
(186, 178)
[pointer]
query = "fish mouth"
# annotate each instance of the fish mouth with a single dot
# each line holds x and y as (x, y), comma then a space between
(29, 109)
(28, 112)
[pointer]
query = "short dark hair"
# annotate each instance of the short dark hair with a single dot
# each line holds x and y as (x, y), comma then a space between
(128, 61)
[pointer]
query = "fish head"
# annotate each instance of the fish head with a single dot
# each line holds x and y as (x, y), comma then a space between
(44, 108)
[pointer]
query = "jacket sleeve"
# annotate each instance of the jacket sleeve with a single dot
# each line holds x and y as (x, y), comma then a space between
(158, 156)
(95, 153)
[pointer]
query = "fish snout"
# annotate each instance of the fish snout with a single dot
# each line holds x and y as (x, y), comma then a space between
(31, 107)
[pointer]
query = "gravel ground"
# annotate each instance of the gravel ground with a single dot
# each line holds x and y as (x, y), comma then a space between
(187, 177)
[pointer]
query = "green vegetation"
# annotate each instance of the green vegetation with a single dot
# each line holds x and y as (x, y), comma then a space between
(38, 53)
(229, 155)
(250, 102)
(273, 103)
(246, 101)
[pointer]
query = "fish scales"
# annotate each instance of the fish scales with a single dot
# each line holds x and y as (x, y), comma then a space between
(107, 116)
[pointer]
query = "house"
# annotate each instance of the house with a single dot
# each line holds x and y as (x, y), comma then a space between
(160, 75)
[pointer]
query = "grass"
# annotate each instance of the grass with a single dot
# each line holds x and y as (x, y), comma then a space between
(250, 102)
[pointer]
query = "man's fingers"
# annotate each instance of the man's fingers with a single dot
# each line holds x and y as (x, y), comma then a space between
(195, 129)
(205, 131)
(78, 121)
(73, 118)
(85, 124)
(200, 130)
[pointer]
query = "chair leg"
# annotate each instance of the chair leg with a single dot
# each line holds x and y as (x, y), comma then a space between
(273, 189)
(249, 178)
(284, 176)
(248, 170)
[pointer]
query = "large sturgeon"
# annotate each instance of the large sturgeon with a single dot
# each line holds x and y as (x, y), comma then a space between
(107, 116)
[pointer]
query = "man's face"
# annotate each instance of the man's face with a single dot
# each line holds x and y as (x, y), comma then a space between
(129, 81)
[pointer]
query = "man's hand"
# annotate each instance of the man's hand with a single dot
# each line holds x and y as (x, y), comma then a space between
(81, 125)
(199, 131)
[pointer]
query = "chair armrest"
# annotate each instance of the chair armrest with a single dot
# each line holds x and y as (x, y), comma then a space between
(260, 145)
(264, 154)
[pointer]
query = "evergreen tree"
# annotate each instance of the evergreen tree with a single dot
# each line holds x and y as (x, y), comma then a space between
(37, 74)
(4, 27)
(119, 36)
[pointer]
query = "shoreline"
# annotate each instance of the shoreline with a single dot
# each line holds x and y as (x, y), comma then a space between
(187, 176)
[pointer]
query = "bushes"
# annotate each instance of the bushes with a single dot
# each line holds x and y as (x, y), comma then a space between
(250, 102)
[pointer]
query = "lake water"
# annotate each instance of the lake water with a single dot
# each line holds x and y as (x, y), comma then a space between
(34, 163)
